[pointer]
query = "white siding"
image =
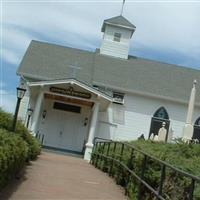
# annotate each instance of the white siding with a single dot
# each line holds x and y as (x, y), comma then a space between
(113, 48)
(138, 112)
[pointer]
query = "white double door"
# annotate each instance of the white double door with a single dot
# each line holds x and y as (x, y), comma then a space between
(64, 130)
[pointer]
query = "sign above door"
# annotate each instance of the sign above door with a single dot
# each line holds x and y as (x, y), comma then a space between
(71, 92)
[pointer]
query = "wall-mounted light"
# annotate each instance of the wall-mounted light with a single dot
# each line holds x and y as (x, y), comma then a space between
(85, 121)
(29, 111)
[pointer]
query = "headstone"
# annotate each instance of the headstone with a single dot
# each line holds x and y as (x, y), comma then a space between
(162, 133)
(188, 131)
(170, 135)
(151, 136)
(155, 138)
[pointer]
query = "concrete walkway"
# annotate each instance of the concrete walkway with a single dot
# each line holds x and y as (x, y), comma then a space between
(61, 177)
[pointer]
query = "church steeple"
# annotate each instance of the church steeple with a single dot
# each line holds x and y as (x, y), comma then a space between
(116, 39)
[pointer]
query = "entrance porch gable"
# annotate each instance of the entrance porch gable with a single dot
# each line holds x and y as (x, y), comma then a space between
(69, 94)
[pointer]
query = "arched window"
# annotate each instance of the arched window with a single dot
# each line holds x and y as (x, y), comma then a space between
(196, 133)
(161, 113)
(158, 118)
(197, 122)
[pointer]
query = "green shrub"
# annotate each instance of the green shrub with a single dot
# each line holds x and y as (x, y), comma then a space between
(5, 120)
(15, 148)
(183, 156)
(13, 155)
(175, 187)
(34, 146)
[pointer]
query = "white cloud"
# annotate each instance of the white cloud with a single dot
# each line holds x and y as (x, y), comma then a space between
(52, 22)
(172, 25)
(162, 26)
(14, 44)
(14, 38)
(7, 98)
(10, 56)
(7, 101)
(167, 25)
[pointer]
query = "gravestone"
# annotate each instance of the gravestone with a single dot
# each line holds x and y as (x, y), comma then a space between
(162, 133)
(155, 138)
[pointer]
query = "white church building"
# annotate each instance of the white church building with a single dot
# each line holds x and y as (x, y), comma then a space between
(77, 95)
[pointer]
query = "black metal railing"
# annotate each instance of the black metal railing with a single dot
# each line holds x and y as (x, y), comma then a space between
(108, 154)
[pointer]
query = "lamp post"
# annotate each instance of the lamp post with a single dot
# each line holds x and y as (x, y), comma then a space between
(30, 111)
(20, 95)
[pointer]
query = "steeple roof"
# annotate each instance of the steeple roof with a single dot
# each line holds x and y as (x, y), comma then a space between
(119, 21)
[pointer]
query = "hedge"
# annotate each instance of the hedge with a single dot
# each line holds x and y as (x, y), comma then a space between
(176, 187)
(33, 145)
(16, 149)
(13, 155)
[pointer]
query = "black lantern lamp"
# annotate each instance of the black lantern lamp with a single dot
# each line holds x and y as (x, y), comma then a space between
(20, 94)
(29, 111)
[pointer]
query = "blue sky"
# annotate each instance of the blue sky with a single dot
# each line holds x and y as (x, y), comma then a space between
(167, 31)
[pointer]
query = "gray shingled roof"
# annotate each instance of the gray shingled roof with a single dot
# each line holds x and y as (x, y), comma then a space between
(118, 21)
(44, 61)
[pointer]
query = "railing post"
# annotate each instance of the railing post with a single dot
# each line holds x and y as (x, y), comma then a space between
(162, 178)
(106, 159)
(142, 176)
(108, 149)
(93, 150)
(131, 159)
(129, 165)
(119, 172)
(192, 189)
(96, 160)
(99, 152)
(113, 156)
(102, 155)
(121, 153)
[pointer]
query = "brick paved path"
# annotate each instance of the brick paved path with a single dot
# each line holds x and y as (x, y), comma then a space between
(61, 177)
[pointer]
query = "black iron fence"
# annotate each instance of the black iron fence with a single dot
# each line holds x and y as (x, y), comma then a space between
(118, 159)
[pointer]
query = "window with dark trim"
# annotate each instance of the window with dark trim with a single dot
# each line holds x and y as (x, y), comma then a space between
(196, 133)
(160, 116)
(117, 37)
(118, 98)
(161, 113)
(67, 107)
(197, 122)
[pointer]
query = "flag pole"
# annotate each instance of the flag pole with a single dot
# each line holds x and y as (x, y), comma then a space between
(122, 7)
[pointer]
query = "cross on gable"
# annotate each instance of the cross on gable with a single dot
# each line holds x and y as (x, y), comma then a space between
(74, 69)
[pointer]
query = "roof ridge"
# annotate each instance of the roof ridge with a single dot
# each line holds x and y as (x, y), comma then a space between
(60, 45)
(119, 21)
